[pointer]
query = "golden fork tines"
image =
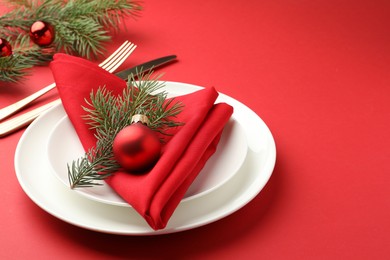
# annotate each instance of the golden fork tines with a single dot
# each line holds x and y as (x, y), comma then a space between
(110, 64)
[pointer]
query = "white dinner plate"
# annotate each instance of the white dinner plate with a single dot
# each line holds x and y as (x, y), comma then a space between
(64, 147)
(47, 191)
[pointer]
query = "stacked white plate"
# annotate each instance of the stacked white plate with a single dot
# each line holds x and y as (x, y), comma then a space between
(234, 175)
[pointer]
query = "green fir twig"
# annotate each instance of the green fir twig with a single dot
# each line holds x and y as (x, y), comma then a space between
(108, 114)
(81, 28)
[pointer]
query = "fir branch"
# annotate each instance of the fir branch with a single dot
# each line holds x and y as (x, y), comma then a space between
(82, 27)
(108, 114)
(24, 57)
(96, 165)
(159, 111)
(73, 39)
(106, 13)
(72, 18)
(13, 68)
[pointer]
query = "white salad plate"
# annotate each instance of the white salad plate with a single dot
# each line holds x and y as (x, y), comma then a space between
(209, 198)
(64, 147)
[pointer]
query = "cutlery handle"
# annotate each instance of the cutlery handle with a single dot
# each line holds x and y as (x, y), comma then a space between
(18, 122)
(11, 109)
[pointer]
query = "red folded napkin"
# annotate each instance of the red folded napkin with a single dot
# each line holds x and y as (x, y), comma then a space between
(156, 194)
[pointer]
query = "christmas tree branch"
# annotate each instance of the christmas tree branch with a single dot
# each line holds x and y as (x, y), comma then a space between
(108, 114)
(81, 28)
(14, 67)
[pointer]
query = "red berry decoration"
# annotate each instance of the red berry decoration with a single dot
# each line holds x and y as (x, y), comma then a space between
(136, 148)
(5, 48)
(42, 33)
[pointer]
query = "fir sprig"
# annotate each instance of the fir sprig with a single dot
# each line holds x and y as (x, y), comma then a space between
(81, 28)
(108, 114)
(26, 56)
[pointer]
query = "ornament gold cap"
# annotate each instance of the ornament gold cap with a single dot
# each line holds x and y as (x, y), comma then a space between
(139, 118)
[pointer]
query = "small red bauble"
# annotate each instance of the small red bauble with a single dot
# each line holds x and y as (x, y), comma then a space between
(42, 33)
(5, 48)
(136, 148)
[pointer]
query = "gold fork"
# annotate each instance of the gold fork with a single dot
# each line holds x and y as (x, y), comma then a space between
(11, 125)
(110, 64)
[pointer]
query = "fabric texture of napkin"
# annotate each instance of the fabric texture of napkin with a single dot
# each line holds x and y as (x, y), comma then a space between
(156, 194)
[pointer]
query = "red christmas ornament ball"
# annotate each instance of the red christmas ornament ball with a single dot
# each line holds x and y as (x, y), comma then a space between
(42, 33)
(5, 48)
(136, 148)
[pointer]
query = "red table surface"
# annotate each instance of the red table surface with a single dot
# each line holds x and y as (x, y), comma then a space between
(317, 72)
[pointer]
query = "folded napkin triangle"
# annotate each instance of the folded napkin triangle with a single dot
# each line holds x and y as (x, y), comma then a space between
(156, 194)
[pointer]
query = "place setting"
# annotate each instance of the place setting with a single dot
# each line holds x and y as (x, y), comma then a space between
(126, 152)
(234, 174)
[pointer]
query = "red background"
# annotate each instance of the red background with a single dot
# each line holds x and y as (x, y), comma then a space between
(317, 72)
